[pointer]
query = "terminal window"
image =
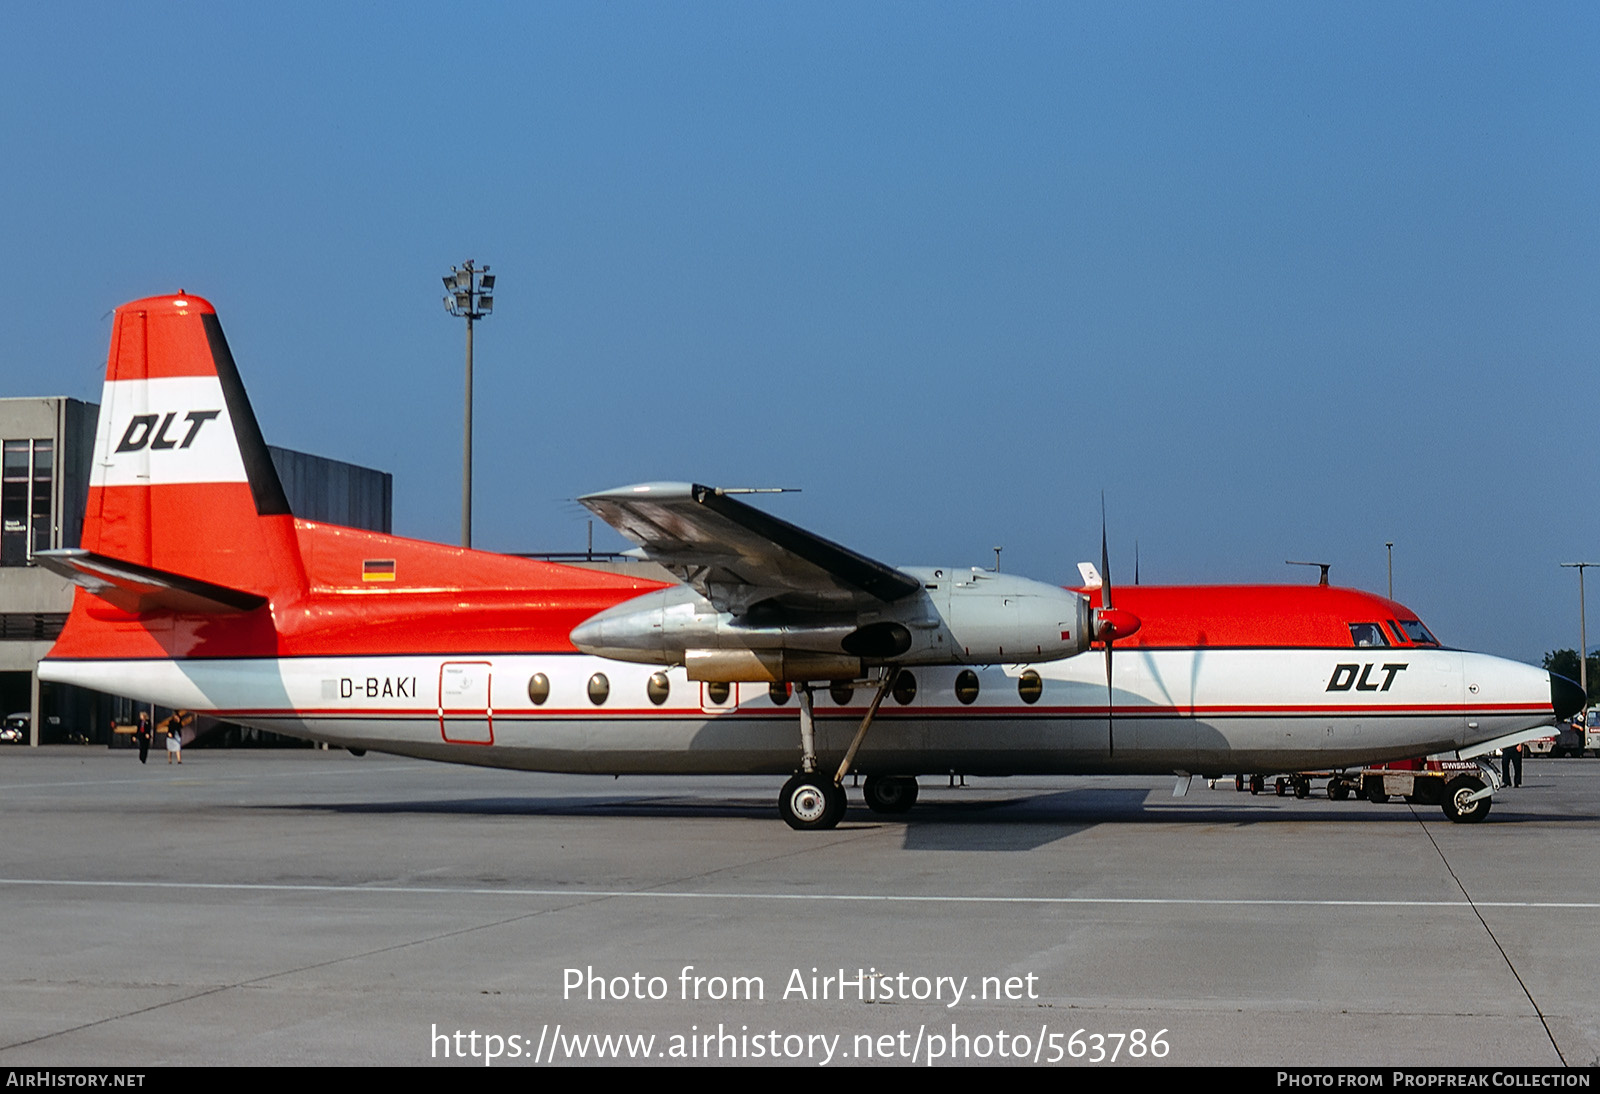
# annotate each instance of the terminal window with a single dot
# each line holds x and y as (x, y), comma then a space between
(25, 496)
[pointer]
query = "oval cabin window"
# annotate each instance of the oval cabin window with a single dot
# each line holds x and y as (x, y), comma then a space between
(841, 691)
(967, 687)
(905, 687)
(1030, 687)
(778, 692)
(599, 688)
(658, 688)
(718, 691)
(538, 689)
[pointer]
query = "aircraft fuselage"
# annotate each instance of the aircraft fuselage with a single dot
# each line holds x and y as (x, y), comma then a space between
(1202, 711)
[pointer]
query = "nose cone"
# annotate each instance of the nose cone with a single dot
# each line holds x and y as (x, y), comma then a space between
(1566, 697)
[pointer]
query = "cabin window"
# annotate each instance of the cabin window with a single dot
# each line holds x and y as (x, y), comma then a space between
(717, 692)
(841, 690)
(658, 688)
(1030, 687)
(967, 686)
(905, 687)
(599, 689)
(538, 689)
(778, 692)
(1418, 634)
(1368, 634)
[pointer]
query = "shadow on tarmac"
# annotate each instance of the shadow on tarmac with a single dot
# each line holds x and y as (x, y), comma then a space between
(1018, 823)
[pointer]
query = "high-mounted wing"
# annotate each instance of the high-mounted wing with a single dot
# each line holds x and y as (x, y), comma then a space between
(736, 556)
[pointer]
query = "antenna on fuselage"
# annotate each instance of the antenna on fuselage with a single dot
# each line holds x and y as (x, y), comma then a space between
(1323, 579)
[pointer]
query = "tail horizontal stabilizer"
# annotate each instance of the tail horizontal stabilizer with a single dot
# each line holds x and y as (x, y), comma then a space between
(140, 589)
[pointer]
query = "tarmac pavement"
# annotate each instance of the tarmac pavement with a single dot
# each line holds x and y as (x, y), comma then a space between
(306, 906)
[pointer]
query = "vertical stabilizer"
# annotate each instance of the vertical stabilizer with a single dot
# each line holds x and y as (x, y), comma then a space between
(182, 481)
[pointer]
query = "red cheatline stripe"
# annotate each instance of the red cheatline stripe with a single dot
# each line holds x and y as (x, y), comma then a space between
(912, 713)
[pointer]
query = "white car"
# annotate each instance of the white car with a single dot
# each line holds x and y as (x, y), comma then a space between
(14, 730)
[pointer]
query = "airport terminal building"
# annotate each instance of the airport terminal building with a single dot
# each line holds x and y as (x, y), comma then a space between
(48, 451)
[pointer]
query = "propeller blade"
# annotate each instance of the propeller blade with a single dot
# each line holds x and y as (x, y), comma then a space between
(1111, 740)
(1105, 559)
(1107, 632)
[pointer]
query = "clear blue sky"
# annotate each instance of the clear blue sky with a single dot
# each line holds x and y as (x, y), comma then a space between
(1283, 280)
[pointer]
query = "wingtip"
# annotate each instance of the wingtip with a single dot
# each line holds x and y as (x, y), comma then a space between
(643, 489)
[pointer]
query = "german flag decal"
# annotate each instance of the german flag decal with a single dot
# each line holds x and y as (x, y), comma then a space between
(377, 569)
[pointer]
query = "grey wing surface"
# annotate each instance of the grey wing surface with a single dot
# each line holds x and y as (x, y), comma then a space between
(737, 556)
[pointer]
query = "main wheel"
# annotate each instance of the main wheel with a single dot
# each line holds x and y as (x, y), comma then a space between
(1338, 790)
(809, 802)
(889, 793)
(1456, 805)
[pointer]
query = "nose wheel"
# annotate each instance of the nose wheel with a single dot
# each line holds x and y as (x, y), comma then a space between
(811, 802)
(1460, 803)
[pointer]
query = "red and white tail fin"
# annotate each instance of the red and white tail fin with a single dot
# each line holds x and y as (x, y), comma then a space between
(182, 482)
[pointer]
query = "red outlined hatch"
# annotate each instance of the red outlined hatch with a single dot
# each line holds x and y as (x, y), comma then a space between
(465, 717)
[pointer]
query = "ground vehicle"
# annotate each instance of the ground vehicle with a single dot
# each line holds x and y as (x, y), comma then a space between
(15, 728)
(1571, 738)
(1462, 787)
(1543, 746)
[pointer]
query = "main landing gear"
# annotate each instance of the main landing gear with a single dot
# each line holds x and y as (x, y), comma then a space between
(809, 801)
(813, 801)
(889, 793)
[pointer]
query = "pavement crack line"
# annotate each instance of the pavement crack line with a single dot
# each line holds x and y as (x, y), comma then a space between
(1473, 904)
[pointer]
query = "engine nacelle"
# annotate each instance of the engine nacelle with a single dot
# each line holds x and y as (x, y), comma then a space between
(958, 617)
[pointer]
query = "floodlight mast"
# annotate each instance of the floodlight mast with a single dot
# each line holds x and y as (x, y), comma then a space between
(1583, 642)
(469, 295)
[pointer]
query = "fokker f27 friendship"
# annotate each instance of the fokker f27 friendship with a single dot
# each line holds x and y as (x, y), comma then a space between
(200, 589)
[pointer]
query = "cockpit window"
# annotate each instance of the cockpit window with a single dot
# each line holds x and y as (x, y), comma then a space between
(1418, 634)
(1368, 634)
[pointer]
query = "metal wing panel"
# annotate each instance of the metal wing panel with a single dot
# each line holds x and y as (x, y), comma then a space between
(736, 556)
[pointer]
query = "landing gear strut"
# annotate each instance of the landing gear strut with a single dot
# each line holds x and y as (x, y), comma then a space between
(810, 801)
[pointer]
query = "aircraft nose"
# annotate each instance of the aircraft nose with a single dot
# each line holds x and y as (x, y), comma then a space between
(1566, 697)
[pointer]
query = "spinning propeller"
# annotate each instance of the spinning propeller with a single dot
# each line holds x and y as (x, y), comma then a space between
(1110, 624)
